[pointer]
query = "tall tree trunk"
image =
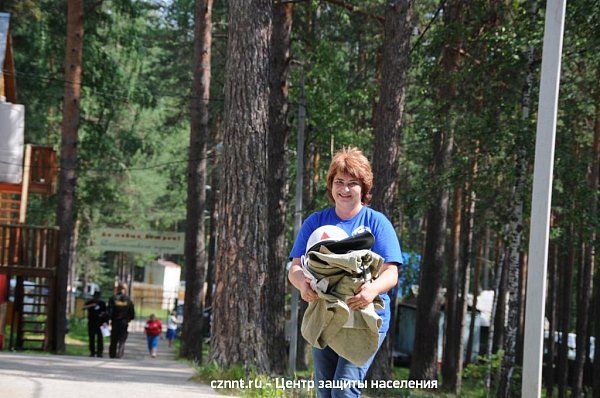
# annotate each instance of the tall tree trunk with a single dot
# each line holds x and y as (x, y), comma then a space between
(302, 361)
(485, 273)
(476, 277)
(515, 227)
(307, 181)
(591, 254)
(195, 248)
(500, 315)
(274, 293)
(424, 364)
(496, 305)
(552, 319)
(73, 269)
(390, 108)
(593, 215)
(213, 208)
(452, 336)
(524, 261)
(594, 182)
(68, 161)
(422, 232)
(584, 297)
(310, 28)
(315, 160)
(565, 316)
(388, 130)
(462, 304)
(240, 327)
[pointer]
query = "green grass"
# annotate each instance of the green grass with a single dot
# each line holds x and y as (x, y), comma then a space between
(212, 372)
(33, 351)
(233, 375)
(76, 341)
(472, 383)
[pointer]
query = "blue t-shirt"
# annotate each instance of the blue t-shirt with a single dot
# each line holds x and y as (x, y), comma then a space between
(386, 241)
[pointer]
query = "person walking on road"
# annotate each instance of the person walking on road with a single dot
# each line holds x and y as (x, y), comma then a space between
(349, 183)
(153, 329)
(121, 312)
(172, 323)
(97, 315)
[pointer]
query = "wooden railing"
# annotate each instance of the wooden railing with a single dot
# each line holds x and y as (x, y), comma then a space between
(26, 248)
(31, 255)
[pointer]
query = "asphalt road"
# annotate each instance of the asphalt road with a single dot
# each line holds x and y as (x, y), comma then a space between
(135, 375)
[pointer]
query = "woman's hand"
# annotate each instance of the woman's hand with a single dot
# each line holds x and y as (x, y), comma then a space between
(301, 281)
(364, 297)
(307, 293)
(388, 278)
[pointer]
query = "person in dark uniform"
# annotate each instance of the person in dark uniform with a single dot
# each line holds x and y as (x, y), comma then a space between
(120, 310)
(97, 315)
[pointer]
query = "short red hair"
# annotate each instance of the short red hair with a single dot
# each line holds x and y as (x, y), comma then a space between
(351, 161)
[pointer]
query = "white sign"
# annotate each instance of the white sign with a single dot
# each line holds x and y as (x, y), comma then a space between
(126, 240)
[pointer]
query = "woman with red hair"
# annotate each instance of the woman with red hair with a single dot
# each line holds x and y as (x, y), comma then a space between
(349, 184)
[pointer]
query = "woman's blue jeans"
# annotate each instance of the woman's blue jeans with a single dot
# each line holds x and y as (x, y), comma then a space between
(152, 342)
(330, 366)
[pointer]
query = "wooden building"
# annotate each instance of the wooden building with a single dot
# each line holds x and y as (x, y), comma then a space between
(28, 254)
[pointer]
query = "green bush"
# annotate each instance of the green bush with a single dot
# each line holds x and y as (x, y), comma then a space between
(474, 376)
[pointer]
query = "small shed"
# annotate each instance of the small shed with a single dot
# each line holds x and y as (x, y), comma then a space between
(160, 284)
(406, 322)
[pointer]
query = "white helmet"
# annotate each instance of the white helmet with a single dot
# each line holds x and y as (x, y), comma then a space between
(326, 233)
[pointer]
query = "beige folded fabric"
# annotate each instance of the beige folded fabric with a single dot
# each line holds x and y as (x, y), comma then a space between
(352, 334)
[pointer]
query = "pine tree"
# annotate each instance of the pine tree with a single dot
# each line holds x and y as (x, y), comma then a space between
(240, 327)
(195, 247)
(68, 161)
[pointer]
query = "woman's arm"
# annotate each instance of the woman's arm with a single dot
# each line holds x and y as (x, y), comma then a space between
(388, 278)
(301, 282)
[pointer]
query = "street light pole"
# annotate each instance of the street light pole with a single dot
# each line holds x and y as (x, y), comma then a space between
(541, 199)
(297, 221)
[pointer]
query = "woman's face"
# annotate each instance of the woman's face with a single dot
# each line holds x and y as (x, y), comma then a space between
(346, 190)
